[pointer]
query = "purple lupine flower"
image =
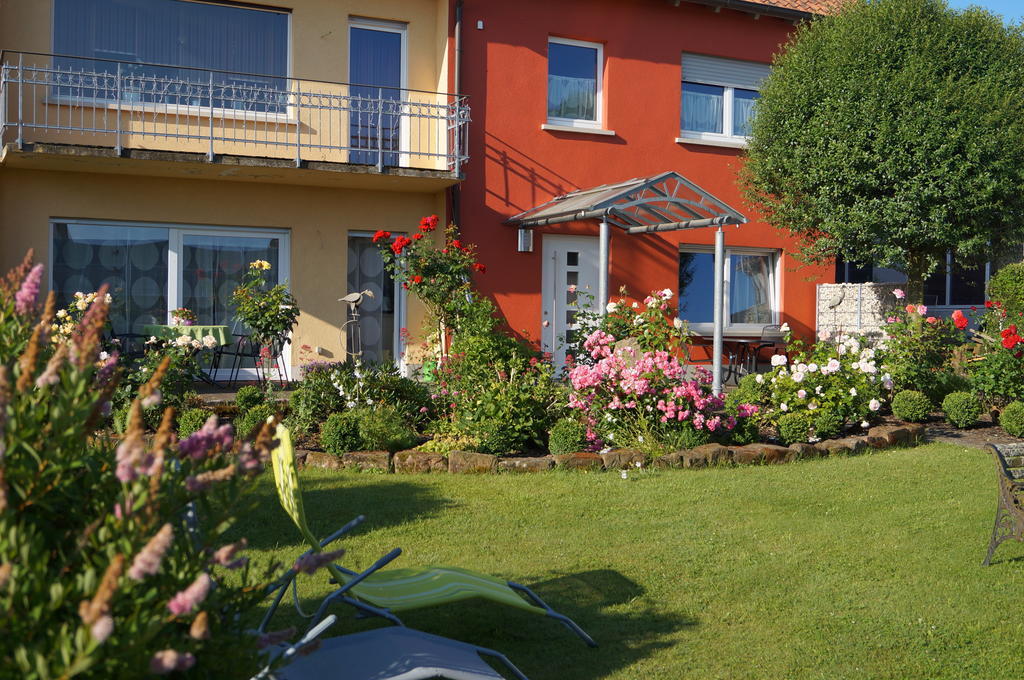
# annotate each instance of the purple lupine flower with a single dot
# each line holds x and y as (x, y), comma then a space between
(147, 562)
(206, 438)
(25, 298)
(190, 598)
(308, 564)
(169, 660)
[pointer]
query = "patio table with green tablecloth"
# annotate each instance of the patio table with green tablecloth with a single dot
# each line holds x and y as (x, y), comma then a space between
(220, 333)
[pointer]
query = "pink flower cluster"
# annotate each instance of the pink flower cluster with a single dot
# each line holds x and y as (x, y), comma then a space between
(25, 298)
(206, 439)
(628, 380)
(190, 598)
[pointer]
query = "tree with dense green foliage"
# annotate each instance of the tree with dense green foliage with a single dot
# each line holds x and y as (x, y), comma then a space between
(891, 133)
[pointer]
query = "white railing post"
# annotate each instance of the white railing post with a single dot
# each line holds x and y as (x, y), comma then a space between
(117, 114)
(380, 129)
(21, 96)
(209, 153)
(298, 128)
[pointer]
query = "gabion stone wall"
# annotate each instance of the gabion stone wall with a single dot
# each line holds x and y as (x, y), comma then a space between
(859, 308)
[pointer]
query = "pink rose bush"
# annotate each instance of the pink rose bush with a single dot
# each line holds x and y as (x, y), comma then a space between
(632, 397)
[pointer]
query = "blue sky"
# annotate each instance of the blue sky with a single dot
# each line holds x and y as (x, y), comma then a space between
(1011, 10)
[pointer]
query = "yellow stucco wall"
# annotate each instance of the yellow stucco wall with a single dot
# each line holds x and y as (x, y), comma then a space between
(318, 217)
(318, 220)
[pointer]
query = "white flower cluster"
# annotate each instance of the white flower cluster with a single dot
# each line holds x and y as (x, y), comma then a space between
(207, 342)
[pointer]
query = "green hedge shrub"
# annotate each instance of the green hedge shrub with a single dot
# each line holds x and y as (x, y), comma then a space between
(566, 436)
(796, 427)
(340, 433)
(249, 396)
(192, 420)
(253, 418)
(1007, 286)
(384, 429)
(911, 406)
(828, 424)
(961, 408)
(1012, 419)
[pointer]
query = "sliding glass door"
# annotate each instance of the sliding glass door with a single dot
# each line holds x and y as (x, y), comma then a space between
(152, 269)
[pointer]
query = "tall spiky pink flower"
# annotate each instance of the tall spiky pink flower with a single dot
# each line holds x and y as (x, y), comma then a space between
(148, 560)
(190, 598)
(25, 298)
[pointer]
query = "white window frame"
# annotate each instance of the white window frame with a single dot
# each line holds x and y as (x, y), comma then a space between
(402, 29)
(175, 234)
(775, 279)
(401, 303)
(712, 138)
(555, 122)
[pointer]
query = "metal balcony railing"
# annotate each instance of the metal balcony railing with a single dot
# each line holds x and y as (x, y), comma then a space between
(130, 105)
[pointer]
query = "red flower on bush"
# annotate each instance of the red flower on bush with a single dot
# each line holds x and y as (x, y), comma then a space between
(457, 244)
(417, 237)
(480, 268)
(959, 320)
(417, 279)
(1010, 337)
(988, 303)
(428, 223)
(381, 235)
(932, 320)
(399, 245)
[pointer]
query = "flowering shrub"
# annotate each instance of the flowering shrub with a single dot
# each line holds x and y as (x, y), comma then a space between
(67, 319)
(629, 396)
(438, 273)
(502, 408)
(652, 325)
(919, 349)
(269, 311)
(997, 369)
(839, 381)
(101, 573)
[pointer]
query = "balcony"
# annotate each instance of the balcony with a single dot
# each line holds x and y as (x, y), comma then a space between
(57, 105)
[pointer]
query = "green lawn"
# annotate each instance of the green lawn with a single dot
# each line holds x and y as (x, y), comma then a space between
(862, 567)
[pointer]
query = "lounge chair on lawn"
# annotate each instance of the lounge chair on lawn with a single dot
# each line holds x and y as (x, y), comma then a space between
(395, 653)
(396, 590)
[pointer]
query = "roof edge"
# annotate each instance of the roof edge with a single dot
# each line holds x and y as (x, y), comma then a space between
(756, 8)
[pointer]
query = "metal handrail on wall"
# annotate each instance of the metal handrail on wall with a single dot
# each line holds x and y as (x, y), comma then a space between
(125, 104)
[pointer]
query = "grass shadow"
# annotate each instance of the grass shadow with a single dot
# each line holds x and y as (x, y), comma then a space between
(328, 508)
(603, 602)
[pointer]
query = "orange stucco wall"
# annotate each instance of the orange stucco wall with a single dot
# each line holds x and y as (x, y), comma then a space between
(515, 165)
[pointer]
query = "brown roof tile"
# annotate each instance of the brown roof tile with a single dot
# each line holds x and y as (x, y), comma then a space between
(813, 6)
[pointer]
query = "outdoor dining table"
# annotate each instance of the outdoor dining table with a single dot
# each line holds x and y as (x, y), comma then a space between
(222, 334)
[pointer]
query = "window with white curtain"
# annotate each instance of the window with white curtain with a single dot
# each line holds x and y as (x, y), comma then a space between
(751, 288)
(157, 41)
(719, 98)
(574, 83)
(151, 269)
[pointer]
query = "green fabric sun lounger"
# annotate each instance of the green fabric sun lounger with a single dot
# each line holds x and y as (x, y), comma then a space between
(395, 590)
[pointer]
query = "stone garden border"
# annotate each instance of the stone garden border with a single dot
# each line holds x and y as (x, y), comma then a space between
(466, 462)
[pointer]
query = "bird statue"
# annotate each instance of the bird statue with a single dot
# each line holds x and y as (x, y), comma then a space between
(350, 328)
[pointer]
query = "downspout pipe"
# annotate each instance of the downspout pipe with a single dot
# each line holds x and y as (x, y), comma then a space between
(456, 192)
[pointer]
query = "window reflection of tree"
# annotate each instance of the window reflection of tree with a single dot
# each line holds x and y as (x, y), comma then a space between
(750, 294)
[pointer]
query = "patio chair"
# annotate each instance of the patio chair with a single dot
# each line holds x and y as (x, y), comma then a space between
(396, 653)
(396, 590)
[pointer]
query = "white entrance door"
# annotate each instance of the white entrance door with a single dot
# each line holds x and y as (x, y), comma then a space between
(568, 285)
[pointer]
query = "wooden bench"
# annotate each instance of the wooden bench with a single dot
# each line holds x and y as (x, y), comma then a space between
(1010, 510)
